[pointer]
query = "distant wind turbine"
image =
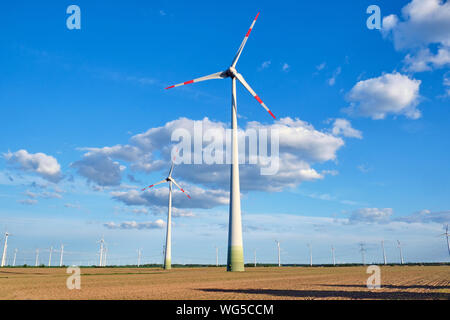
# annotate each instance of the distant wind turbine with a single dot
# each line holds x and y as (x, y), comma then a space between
(363, 250)
(255, 257)
(61, 256)
(168, 247)
(235, 257)
(446, 234)
(15, 255)
(384, 252)
(332, 254)
(279, 253)
(310, 254)
(5, 248)
(400, 249)
(217, 256)
(139, 258)
(36, 263)
(101, 241)
(104, 256)
(50, 256)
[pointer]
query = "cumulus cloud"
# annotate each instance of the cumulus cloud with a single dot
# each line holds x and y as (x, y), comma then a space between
(371, 215)
(157, 224)
(265, 65)
(343, 127)
(390, 93)
(336, 73)
(423, 23)
(300, 146)
(44, 165)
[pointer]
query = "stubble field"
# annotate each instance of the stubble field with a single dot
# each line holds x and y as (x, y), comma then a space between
(397, 282)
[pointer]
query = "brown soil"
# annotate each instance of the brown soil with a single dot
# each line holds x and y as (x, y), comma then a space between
(398, 282)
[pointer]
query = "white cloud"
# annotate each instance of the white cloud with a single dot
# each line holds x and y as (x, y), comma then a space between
(336, 73)
(285, 67)
(44, 165)
(321, 66)
(265, 65)
(391, 93)
(424, 23)
(426, 216)
(28, 202)
(99, 168)
(371, 215)
(343, 127)
(158, 224)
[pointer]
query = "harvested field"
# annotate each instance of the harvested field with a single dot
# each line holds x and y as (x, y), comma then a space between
(397, 282)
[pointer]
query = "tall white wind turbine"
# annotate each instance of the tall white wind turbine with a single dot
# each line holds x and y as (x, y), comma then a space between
(279, 252)
(61, 255)
(446, 234)
(363, 251)
(139, 258)
(235, 257)
(168, 247)
(399, 245)
(5, 248)
(384, 252)
(105, 251)
(102, 242)
(217, 256)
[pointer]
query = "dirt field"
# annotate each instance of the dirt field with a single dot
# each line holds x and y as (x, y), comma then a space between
(399, 282)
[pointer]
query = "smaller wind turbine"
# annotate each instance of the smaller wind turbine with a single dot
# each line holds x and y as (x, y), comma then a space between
(104, 256)
(399, 245)
(50, 256)
(15, 255)
(446, 234)
(332, 254)
(279, 253)
(139, 258)
(101, 241)
(255, 257)
(310, 254)
(61, 256)
(217, 256)
(36, 263)
(5, 248)
(168, 247)
(363, 250)
(384, 252)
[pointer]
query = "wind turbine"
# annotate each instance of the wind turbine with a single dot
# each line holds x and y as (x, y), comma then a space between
(50, 256)
(217, 256)
(37, 258)
(15, 255)
(332, 254)
(235, 257)
(446, 234)
(255, 257)
(384, 252)
(168, 247)
(61, 256)
(139, 258)
(399, 245)
(363, 250)
(5, 248)
(310, 254)
(101, 241)
(279, 252)
(104, 256)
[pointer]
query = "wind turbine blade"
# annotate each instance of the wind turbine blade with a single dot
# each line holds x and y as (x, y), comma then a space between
(173, 180)
(253, 93)
(152, 185)
(171, 169)
(217, 75)
(238, 54)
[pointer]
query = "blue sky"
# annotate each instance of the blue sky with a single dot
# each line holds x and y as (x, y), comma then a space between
(367, 111)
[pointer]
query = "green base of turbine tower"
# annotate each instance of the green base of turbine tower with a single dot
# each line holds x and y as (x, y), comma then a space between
(235, 260)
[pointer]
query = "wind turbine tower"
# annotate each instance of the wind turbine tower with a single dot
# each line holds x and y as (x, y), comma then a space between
(139, 258)
(61, 256)
(104, 256)
(279, 253)
(400, 249)
(332, 253)
(363, 250)
(36, 263)
(5, 248)
(50, 256)
(255, 257)
(15, 255)
(168, 247)
(217, 256)
(235, 257)
(310, 254)
(100, 262)
(384, 252)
